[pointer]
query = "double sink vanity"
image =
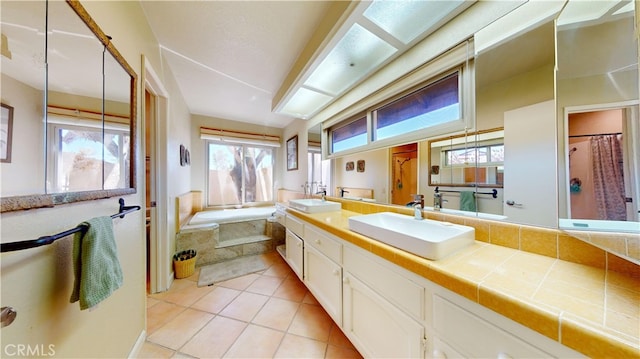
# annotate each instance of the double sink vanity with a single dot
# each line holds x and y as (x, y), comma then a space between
(403, 286)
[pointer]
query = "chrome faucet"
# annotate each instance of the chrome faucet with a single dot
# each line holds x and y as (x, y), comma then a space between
(324, 194)
(343, 191)
(417, 211)
(438, 201)
(417, 199)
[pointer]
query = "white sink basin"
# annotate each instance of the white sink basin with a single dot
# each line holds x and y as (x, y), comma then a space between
(425, 238)
(314, 205)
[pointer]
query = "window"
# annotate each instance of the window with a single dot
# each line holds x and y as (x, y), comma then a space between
(82, 162)
(318, 169)
(434, 104)
(483, 155)
(238, 174)
(351, 135)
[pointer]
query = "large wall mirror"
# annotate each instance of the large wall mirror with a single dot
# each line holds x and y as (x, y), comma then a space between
(599, 132)
(514, 103)
(74, 107)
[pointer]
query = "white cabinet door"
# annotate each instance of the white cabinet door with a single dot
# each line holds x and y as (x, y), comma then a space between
(294, 253)
(376, 327)
(476, 338)
(323, 277)
(530, 175)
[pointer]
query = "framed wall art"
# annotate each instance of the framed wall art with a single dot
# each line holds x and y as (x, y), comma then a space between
(292, 153)
(6, 133)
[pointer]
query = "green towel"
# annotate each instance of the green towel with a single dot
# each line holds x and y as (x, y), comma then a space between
(95, 263)
(467, 201)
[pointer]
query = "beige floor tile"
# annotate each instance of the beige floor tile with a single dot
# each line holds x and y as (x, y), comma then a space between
(180, 329)
(245, 306)
(215, 338)
(152, 301)
(311, 321)
(266, 285)
(240, 283)
(337, 338)
(255, 342)
(185, 292)
(160, 314)
(179, 355)
(279, 269)
(294, 346)
(310, 299)
(216, 300)
(155, 351)
(341, 353)
(276, 314)
(260, 315)
(291, 289)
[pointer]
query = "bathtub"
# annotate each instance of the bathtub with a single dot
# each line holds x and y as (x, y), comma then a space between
(224, 234)
(231, 215)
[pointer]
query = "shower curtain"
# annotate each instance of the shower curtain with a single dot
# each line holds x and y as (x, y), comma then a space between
(608, 177)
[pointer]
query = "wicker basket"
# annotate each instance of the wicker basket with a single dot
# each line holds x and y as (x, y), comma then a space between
(184, 263)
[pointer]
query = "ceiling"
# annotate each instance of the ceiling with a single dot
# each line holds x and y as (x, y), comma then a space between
(268, 62)
(230, 58)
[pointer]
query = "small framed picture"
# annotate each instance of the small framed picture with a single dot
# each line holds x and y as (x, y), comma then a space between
(6, 133)
(183, 155)
(292, 153)
(360, 166)
(349, 166)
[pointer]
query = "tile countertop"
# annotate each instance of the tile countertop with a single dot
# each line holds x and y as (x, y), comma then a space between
(593, 311)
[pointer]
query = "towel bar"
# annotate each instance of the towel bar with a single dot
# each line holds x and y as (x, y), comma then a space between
(493, 193)
(44, 240)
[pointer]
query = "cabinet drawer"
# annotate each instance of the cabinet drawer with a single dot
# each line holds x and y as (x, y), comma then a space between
(281, 218)
(323, 243)
(295, 225)
(393, 286)
(472, 336)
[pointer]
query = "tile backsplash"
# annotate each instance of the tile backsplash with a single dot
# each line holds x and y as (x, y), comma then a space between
(543, 241)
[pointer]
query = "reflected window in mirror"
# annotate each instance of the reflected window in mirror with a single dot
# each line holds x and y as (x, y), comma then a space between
(434, 104)
(73, 66)
(474, 159)
(353, 134)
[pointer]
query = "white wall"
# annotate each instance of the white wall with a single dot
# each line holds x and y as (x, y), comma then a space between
(37, 282)
(25, 173)
(295, 179)
(375, 176)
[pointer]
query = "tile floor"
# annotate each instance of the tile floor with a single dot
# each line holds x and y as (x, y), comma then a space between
(269, 314)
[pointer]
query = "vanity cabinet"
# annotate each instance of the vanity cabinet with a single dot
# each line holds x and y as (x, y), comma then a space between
(294, 252)
(388, 311)
(323, 270)
(475, 337)
(377, 328)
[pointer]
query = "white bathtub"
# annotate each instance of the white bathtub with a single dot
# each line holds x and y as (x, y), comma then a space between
(231, 215)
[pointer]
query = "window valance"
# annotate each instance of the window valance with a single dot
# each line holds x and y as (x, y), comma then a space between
(215, 134)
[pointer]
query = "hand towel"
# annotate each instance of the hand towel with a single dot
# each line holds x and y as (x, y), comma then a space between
(467, 201)
(95, 263)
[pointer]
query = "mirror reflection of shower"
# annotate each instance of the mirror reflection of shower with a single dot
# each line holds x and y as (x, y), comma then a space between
(600, 170)
(404, 173)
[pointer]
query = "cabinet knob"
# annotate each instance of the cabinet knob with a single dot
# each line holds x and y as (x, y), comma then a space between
(437, 354)
(317, 241)
(504, 356)
(345, 280)
(336, 271)
(299, 244)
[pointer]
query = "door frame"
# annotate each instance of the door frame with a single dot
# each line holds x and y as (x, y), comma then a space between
(160, 266)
